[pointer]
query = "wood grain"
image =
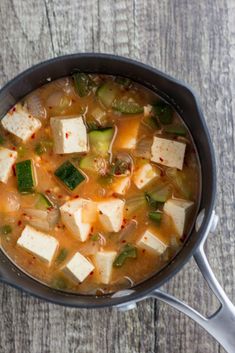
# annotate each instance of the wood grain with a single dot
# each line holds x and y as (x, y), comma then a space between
(191, 40)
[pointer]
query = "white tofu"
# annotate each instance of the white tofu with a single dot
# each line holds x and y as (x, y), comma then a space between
(168, 152)
(78, 267)
(73, 218)
(69, 134)
(20, 123)
(7, 160)
(38, 243)
(110, 214)
(121, 185)
(178, 211)
(144, 175)
(151, 242)
(104, 264)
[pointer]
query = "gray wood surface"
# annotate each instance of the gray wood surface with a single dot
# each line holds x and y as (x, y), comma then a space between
(193, 40)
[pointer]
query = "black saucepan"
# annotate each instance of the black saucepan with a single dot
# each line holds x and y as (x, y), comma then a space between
(221, 324)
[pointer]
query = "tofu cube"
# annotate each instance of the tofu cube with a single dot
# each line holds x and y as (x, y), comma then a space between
(20, 123)
(127, 134)
(178, 210)
(78, 268)
(167, 152)
(38, 243)
(110, 214)
(151, 242)
(73, 218)
(144, 175)
(104, 264)
(121, 185)
(7, 160)
(69, 134)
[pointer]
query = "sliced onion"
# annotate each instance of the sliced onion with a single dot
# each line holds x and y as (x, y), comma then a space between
(42, 219)
(127, 230)
(35, 107)
(89, 248)
(65, 84)
(143, 148)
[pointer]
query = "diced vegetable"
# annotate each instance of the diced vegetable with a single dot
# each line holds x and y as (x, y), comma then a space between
(1, 139)
(179, 180)
(94, 164)
(135, 203)
(6, 229)
(42, 219)
(99, 115)
(128, 230)
(151, 122)
(107, 93)
(43, 202)
(21, 150)
(95, 237)
(155, 216)
(69, 175)
(127, 106)
(178, 130)
(92, 125)
(62, 255)
(59, 283)
(43, 147)
(160, 195)
(83, 84)
(124, 81)
(105, 180)
(25, 176)
(100, 140)
(128, 251)
(164, 112)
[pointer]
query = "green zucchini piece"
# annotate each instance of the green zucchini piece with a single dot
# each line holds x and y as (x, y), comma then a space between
(160, 195)
(69, 175)
(105, 180)
(125, 106)
(124, 81)
(62, 255)
(178, 130)
(155, 216)
(152, 122)
(128, 251)
(107, 93)
(6, 229)
(100, 140)
(83, 84)
(43, 203)
(164, 112)
(25, 176)
(21, 150)
(59, 282)
(87, 163)
(43, 147)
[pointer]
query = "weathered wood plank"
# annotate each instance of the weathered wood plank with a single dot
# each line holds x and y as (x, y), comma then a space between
(192, 40)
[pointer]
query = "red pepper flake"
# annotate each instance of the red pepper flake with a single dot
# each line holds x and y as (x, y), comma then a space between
(50, 107)
(161, 159)
(14, 169)
(33, 136)
(50, 208)
(143, 251)
(60, 196)
(122, 226)
(76, 196)
(48, 191)
(161, 173)
(123, 241)
(19, 223)
(91, 273)
(67, 135)
(73, 100)
(92, 228)
(10, 155)
(14, 148)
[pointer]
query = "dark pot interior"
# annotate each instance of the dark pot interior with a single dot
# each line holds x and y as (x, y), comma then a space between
(184, 101)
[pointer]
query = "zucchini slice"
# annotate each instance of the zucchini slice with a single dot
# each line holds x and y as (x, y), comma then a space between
(69, 175)
(26, 181)
(100, 140)
(125, 106)
(155, 216)
(43, 203)
(164, 112)
(83, 84)
(107, 93)
(178, 130)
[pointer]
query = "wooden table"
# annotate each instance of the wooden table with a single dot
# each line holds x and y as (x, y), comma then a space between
(193, 40)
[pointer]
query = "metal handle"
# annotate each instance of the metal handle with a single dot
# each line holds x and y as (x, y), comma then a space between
(221, 325)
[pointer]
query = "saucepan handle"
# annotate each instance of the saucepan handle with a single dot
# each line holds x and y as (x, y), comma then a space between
(221, 325)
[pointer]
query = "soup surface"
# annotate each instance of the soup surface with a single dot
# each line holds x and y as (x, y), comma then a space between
(99, 183)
